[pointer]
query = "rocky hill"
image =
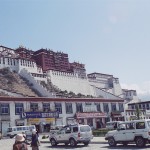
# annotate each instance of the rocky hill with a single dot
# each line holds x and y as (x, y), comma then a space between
(12, 84)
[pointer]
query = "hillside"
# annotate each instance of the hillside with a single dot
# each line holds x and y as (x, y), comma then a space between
(11, 82)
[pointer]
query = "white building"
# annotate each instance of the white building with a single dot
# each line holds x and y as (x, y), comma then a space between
(95, 112)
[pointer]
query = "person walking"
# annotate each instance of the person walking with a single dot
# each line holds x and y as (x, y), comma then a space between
(19, 143)
(35, 141)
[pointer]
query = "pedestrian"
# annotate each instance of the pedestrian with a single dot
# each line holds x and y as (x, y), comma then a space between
(19, 143)
(37, 132)
(35, 141)
(24, 135)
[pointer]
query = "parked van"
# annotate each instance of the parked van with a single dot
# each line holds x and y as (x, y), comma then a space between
(13, 131)
(113, 124)
(72, 134)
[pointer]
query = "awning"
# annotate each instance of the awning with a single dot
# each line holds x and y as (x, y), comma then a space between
(90, 115)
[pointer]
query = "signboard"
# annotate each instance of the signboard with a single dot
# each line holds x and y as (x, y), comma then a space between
(27, 115)
(90, 115)
(38, 120)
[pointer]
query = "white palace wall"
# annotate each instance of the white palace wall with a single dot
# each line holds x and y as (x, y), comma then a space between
(70, 82)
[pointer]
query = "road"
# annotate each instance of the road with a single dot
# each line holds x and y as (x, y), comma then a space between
(96, 144)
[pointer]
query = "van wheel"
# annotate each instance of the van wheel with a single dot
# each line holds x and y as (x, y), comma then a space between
(86, 143)
(53, 142)
(73, 143)
(140, 142)
(111, 142)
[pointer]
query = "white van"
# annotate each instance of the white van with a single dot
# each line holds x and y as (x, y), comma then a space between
(113, 124)
(13, 131)
(72, 134)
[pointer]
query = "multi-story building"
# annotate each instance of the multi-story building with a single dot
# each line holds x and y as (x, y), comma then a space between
(79, 69)
(105, 82)
(24, 53)
(143, 109)
(50, 60)
(95, 112)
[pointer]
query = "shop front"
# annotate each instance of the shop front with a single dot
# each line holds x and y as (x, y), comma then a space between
(42, 120)
(117, 116)
(93, 119)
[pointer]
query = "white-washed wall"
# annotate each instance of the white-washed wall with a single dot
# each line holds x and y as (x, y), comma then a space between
(70, 82)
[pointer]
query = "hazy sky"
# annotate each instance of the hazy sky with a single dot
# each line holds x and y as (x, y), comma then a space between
(108, 36)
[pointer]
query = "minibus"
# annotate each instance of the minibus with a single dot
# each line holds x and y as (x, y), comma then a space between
(13, 131)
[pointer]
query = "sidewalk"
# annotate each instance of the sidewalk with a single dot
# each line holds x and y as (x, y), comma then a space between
(95, 140)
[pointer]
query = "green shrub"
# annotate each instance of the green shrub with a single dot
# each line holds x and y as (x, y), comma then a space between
(100, 132)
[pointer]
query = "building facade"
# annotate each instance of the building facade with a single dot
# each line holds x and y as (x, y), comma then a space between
(143, 110)
(95, 112)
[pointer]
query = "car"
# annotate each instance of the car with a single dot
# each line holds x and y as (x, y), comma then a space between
(56, 128)
(72, 134)
(112, 124)
(137, 131)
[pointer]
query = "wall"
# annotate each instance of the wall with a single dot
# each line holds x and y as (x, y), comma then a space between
(70, 82)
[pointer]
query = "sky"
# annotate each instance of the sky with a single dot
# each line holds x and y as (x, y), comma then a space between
(108, 36)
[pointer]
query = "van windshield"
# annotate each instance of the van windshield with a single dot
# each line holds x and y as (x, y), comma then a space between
(85, 129)
(9, 130)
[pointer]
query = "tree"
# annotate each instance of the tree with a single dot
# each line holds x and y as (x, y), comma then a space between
(137, 112)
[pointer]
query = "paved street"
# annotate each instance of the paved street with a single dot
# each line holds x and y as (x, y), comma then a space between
(96, 144)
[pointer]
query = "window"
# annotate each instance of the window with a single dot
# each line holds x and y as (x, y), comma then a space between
(58, 107)
(69, 108)
(79, 107)
(147, 106)
(121, 107)
(132, 106)
(3, 60)
(106, 108)
(34, 107)
(143, 106)
(140, 125)
(75, 129)
(19, 108)
(4, 108)
(46, 107)
(98, 107)
(113, 106)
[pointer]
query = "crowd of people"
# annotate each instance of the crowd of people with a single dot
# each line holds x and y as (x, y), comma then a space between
(21, 141)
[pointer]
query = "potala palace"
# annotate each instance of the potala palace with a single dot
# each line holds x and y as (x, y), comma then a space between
(79, 97)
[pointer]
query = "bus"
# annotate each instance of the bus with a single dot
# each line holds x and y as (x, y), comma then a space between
(13, 131)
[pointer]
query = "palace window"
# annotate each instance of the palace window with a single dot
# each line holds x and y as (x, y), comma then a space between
(46, 107)
(58, 107)
(19, 108)
(4, 109)
(98, 107)
(69, 108)
(34, 107)
(113, 107)
(105, 106)
(121, 107)
(79, 107)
